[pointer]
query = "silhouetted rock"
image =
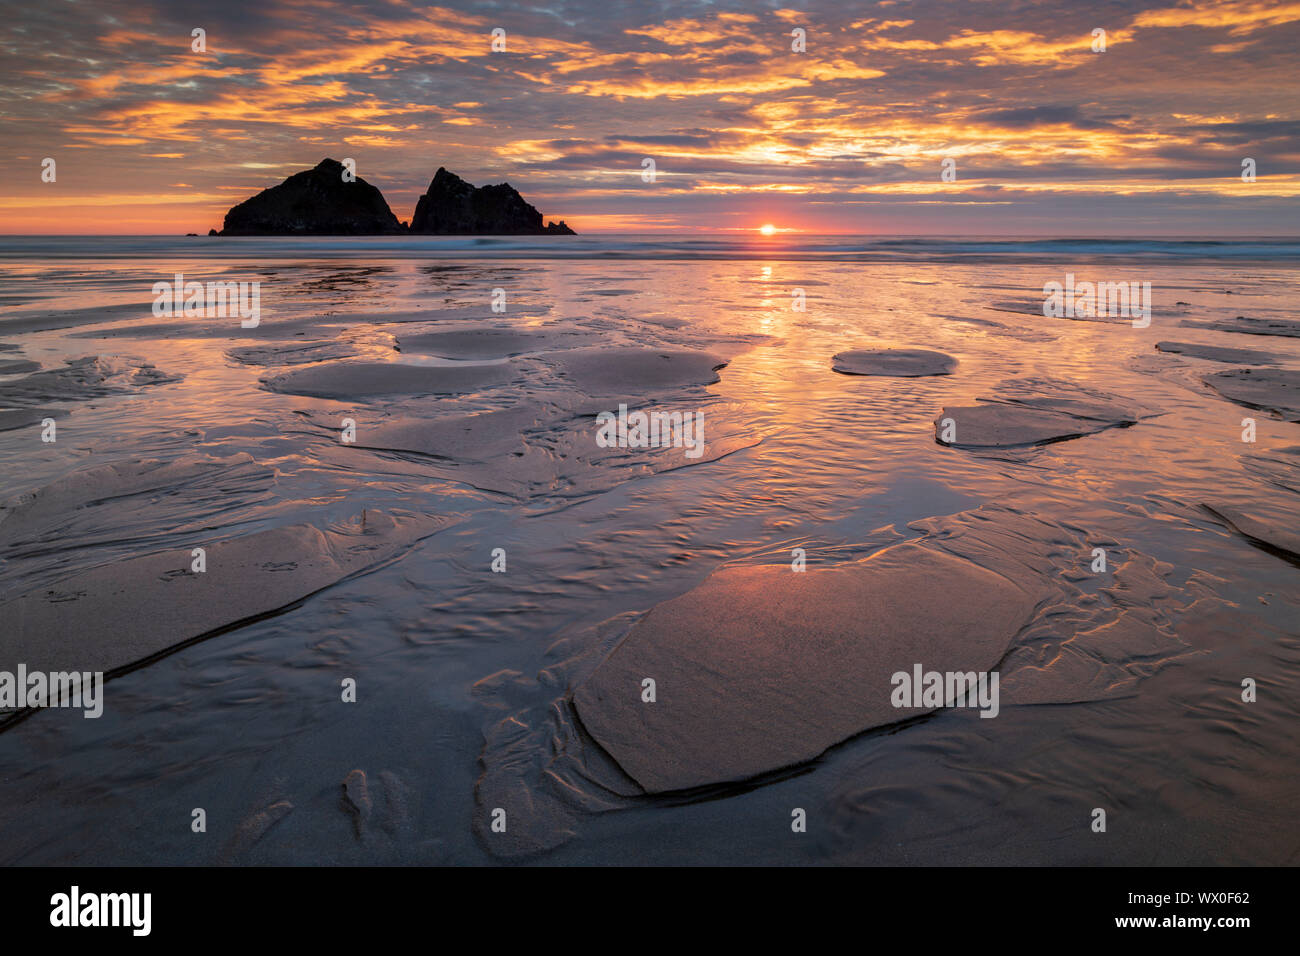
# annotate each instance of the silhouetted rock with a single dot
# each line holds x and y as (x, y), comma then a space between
(315, 202)
(453, 207)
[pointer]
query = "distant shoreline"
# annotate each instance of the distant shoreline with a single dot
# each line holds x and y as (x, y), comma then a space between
(1268, 251)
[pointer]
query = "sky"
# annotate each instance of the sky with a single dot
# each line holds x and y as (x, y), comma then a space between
(1045, 135)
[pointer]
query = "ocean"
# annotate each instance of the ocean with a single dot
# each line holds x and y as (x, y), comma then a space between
(672, 246)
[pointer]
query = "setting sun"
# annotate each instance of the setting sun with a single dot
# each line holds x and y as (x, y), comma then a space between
(767, 229)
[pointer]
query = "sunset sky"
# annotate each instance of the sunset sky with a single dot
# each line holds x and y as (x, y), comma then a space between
(1049, 137)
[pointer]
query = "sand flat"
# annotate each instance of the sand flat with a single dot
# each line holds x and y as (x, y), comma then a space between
(905, 363)
(1273, 536)
(1033, 411)
(629, 371)
(45, 320)
(298, 353)
(1058, 395)
(283, 327)
(538, 447)
(92, 376)
(491, 342)
(486, 450)
(1274, 390)
(11, 418)
(458, 313)
(1247, 326)
(18, 366)
(197, 327)
(98, 502)
(352, 380)
(117, 616)
(1076, 648)
(1218, 353)
(761, 668)
(1009, 426)
(1281, 466)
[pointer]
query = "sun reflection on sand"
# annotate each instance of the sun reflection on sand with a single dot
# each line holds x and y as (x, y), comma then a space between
(842, 460)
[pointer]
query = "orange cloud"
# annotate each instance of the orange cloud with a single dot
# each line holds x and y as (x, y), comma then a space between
(1236, 16)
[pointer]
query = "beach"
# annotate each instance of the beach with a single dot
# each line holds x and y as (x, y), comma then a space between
(493, 578)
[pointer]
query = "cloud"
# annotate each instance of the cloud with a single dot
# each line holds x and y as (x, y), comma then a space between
(712, 91)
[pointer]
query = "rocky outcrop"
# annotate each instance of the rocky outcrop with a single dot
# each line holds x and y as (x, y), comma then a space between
(318, 202)
(315, 202)
(453, 207)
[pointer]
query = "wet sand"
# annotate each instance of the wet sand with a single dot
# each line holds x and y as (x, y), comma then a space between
(472, 446)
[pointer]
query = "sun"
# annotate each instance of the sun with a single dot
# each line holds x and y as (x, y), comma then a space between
(767, 229)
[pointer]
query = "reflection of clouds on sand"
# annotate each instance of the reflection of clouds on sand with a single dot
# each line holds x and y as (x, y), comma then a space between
(459, 663)
(761, 669)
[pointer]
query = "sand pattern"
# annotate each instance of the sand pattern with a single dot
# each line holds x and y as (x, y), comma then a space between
(635, 372)
(906, 363)
(546, 447)
(300, 353)
(1218, 353)
(759, 668)
(761, 672)
(1280, 466)
(756, 650)
(93, 376)
(125, 505)
(1244, 325)
(1273, 537)
(17, 366)
(1270, 390)
(1032, 411)
(348, 381)
(11, 418)
(489, 342)
(118, 616)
